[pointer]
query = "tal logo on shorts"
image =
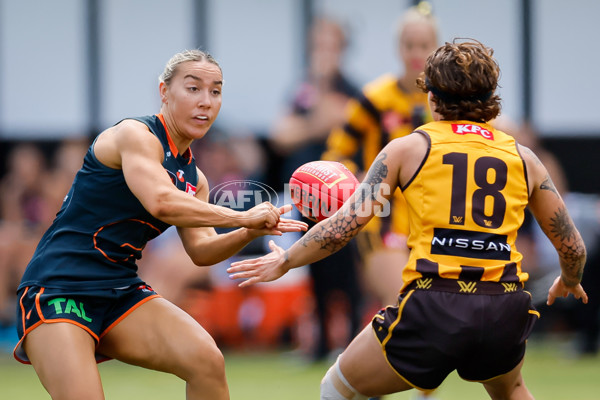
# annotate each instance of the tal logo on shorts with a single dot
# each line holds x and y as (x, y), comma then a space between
(70, 307)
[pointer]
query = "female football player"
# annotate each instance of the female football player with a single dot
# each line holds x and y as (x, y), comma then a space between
(81, 300)
(462, 305)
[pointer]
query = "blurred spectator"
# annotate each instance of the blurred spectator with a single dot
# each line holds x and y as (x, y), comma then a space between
(299, 137)
(66, 161)
(319, 101)
(390, 107)
(25, 213)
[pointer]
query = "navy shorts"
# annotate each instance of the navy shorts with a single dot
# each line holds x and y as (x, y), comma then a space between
(437, 329)
(95, 311)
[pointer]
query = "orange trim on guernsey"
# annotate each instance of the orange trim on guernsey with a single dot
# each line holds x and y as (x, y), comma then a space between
(169, 140)
(188, 152)
(127, 313)
(124, 244)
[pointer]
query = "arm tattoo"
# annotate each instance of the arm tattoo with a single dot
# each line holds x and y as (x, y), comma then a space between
(337, 231)
(572, 262)
(571, 248)
(562, 226)
(334, 234)
(368, 189)
(549, 185)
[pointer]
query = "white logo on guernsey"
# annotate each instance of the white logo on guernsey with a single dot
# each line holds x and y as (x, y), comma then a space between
(470, 244)
(463, 129)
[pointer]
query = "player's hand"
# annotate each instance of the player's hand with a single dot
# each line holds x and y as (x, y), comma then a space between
(559, 289)
(263, 269)
(284, 225)
(264, 215)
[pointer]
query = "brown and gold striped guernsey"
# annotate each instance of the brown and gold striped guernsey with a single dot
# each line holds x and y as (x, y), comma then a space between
(465, 205)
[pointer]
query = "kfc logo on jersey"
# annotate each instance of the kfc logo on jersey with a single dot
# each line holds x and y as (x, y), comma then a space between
(190, 189)
(463, 129)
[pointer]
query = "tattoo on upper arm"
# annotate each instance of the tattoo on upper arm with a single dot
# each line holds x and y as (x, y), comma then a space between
(337, 231)
(368, 189)
(549, 185)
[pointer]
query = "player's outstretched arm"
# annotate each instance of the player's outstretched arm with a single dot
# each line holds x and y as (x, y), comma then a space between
(129, 146)
(552, 215)
(328, 236)
(205, 247)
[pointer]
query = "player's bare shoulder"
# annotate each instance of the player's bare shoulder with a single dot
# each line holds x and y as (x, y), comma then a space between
(537, 175)
(408, 153)
(127, 136)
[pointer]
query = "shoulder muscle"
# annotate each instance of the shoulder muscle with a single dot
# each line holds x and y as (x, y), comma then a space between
(126, 138)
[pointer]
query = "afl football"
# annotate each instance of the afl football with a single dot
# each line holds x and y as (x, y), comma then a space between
(319, 188)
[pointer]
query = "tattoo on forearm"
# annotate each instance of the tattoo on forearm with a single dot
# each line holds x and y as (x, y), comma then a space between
(337, 231)
(333, 234)
(572, 261)
(572, 248)
(548, 185)
(561, 225)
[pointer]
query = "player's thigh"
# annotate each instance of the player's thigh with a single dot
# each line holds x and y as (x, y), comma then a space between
(510, 385)
(72, 349)
(160, 336)
(364, 365)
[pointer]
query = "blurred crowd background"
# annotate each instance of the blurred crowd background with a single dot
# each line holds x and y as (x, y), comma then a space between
(70, 68)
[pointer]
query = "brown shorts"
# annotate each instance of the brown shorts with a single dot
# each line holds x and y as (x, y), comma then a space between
(437, 329)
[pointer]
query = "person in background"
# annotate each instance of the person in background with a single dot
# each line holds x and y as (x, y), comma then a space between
(461, 306)
(81, 301)
(299, 136)
(24, 212)
(389, 107)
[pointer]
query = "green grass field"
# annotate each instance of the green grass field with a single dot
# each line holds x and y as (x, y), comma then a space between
(548, 372)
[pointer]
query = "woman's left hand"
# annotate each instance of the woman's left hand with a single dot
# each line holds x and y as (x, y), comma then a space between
(263, 269)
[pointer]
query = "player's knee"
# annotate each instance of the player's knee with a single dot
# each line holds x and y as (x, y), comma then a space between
(335, 387)
(205, 362)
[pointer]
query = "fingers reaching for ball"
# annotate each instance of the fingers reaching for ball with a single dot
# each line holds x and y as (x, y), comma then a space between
(266, 215)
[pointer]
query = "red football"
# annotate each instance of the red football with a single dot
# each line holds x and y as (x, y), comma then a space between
(319, 188)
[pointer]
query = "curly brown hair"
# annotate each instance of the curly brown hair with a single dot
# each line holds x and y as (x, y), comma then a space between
(463, 78)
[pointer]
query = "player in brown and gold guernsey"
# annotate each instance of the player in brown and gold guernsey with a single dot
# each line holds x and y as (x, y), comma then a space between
(462, 305)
